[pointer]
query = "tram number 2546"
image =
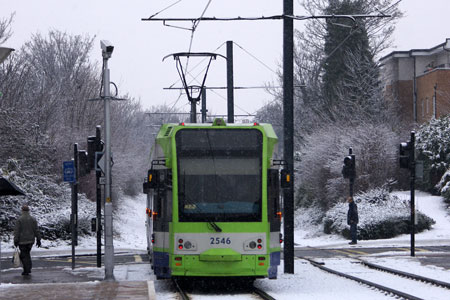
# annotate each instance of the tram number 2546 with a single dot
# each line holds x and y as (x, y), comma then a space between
(219, 241)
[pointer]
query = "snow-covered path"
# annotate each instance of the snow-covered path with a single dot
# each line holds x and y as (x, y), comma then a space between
(434, 207)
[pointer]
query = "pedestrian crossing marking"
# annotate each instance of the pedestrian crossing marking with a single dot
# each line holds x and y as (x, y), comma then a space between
(422, 250)
(357, 252)
(69, 260)
(350, 252)
(416, 249)
(404, 249)
(343, 252)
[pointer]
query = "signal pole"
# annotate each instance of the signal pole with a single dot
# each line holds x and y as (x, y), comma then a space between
(413, 187)
(74, 215)
(107, 50)
(98, 174)
(407, 161)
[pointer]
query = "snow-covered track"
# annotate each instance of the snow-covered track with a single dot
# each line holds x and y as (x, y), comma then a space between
(249, 293)
(262, 294)
(180, 291)
(406, 274)
(391, 283)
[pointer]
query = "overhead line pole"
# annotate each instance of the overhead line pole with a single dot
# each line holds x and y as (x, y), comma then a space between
(230, 82)
(204, 110)
(288, 131)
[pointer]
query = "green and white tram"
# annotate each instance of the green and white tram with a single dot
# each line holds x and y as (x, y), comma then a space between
(213, 205)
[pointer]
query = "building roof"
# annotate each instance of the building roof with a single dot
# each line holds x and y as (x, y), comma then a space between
(418, 52)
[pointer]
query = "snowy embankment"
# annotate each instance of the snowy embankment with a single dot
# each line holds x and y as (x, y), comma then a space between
(129, 229)
(128, 224)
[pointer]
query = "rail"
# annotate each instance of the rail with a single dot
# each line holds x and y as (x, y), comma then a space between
(363, 281)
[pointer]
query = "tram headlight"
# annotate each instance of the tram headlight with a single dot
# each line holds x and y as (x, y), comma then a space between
(252, 245)
(187, 245)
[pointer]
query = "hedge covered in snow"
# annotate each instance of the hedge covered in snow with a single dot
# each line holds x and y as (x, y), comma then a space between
(381, 215)
(49, 202)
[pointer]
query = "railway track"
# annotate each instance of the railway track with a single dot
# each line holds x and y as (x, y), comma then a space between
(398, 283)
(254, 291)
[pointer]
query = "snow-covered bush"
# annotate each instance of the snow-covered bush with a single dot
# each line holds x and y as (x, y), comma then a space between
(49, 202)
(381, 215)
(320, 180)
(443, 186)
(433, 147)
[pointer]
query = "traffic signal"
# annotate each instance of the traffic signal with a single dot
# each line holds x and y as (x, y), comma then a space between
(91, 151)
(83, 168)
(406, 155)
(94, 145)
(349, 168)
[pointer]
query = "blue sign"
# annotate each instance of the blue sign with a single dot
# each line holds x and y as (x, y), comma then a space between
(69, 171)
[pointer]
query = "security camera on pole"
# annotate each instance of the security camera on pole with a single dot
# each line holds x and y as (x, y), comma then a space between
(107, 49)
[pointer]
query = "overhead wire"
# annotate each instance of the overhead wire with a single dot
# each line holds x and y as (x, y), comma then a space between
(255, 58)
(194, 27)
(164, 9)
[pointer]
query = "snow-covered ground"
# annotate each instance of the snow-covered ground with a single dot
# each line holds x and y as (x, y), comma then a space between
(432, 206)
(308, 282)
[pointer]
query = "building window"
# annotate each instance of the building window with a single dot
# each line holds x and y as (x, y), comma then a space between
(422, 108)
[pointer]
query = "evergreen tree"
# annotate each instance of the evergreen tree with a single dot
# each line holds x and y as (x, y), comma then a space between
(345, 43)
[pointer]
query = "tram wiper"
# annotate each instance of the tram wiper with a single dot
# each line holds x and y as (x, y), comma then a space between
(215, 226)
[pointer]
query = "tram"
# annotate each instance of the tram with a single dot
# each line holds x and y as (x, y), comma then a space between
(213, 201)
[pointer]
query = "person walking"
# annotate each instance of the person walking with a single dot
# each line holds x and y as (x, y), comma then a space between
(352, 219)
(25, 233)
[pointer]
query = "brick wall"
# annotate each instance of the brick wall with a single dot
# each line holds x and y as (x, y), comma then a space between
(425, 94)
(402, 91)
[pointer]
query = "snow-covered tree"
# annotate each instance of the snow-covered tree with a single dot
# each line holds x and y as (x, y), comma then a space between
(433, 147)
(320, 181)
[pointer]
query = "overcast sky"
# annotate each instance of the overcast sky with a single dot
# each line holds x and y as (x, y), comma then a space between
(137, 66)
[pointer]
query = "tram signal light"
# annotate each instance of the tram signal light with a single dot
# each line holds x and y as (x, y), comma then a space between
(349, 168)
(151, 181)
(406, 155)
(286, 179)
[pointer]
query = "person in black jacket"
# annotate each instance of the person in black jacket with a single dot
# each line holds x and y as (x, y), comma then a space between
(352, 219)
(25, 233)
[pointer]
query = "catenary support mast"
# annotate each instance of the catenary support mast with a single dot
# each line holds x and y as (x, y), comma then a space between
(288, 131)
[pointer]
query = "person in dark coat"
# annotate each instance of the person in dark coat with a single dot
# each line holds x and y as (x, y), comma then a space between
(352, 219)
(25, 233)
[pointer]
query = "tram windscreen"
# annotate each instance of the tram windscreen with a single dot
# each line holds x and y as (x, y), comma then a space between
(219, 174)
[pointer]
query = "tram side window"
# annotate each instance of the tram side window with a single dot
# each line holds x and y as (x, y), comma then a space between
(168, 206)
